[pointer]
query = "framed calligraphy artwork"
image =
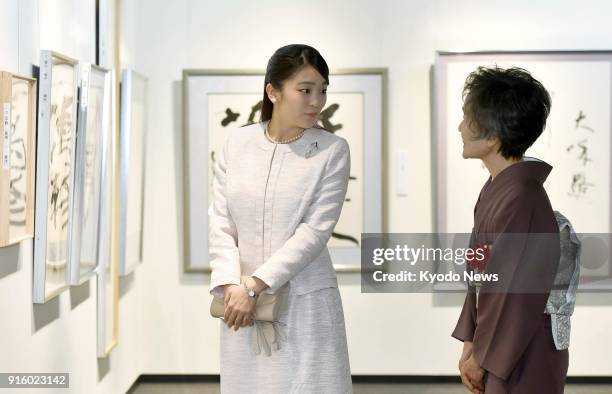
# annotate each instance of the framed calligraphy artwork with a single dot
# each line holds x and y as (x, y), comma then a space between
(17, 146)
(216, 101)
(92, 135)
(576, 142)
(57, 111)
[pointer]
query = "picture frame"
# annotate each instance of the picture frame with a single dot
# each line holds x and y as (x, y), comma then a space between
(214, 100)
(576, 141)
(92, 133)
(107, 270)
(133, 172)
(57, 111)
(18, 147)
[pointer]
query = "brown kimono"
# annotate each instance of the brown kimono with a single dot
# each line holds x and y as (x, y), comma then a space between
(511, 335)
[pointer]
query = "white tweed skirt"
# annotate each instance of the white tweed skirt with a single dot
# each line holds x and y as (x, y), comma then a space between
(312, 355)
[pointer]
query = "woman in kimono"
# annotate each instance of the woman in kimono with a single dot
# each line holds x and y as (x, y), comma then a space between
(279, 186)
(508, 344)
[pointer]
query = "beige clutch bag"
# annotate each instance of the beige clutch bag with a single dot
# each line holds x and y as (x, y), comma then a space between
(267, 305)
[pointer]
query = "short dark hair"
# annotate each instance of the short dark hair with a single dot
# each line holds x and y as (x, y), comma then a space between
(285, 62)
(506, 103)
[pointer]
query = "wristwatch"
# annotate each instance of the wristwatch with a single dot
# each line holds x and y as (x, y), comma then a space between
(251, 293)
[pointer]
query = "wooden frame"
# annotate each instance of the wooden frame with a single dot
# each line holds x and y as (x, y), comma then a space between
(18, 150)
(361, 92)
(108, 255)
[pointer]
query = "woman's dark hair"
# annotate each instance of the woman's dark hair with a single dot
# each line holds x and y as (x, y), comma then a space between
(285, 62)
(509, 104)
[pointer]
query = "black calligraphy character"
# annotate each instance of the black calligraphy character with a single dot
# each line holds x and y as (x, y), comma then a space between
(583, 152)
(254, 110)
(345, 236)
(63, 124)
(230, 117)
(54, 198)
(65, 190)
(581, 116)
(325, 118)
(579, 186)
(583, 149)
(17, 204)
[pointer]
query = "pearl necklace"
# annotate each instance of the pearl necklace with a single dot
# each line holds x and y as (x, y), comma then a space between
(287, 141)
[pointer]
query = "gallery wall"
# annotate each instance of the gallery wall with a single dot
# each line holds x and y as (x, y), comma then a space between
(60, 335)
(387, 334)
(164, 323)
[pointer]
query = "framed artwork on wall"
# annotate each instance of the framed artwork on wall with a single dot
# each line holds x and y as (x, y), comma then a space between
(107, 270)
(576, 142)
(92, 133)
(57, 110)
(133, 144)
(215, 101)
(18, 109)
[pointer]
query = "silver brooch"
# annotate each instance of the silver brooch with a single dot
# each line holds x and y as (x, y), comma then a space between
(313, 148)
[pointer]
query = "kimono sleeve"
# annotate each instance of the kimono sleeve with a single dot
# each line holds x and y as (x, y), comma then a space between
(223, 236)
(525, 255)
(466, 325)
(315, 228)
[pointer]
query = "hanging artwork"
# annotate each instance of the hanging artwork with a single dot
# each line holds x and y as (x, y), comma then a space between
(17, 146)
(216, 102)
(91, 132)
(57, 109)
(107, 267)
(576, 141)
(133, 142)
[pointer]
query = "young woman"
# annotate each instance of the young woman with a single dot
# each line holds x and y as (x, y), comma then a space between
(279, 188)
(508, 343)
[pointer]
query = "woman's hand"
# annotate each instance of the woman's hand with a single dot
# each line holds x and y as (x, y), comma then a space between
(239, 308)
(471, 373)
(467, 352)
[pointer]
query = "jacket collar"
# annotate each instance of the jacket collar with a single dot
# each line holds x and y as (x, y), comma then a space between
(300, 147)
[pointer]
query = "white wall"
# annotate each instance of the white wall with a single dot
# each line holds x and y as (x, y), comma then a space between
(164, 321)
(388, 334)
(59, 336)
(9, 31)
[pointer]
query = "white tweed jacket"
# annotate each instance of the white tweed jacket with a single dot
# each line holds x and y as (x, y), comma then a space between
(274, 208)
